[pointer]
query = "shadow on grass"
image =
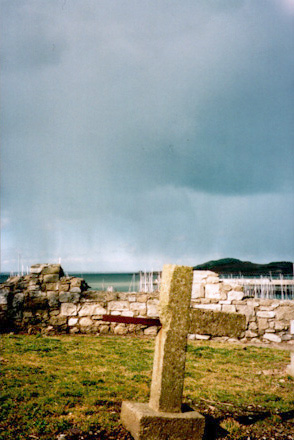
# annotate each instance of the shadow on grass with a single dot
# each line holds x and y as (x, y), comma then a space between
(288, 415)
(252, 418)
(213, 430)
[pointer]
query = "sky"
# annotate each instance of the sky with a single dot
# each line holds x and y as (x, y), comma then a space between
(139, 133)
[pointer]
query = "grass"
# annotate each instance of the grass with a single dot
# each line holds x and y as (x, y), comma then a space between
(52, 384)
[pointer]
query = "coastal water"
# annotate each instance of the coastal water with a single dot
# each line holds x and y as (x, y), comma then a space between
(122, 282)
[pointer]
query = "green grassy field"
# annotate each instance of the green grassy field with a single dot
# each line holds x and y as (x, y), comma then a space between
(75, 384)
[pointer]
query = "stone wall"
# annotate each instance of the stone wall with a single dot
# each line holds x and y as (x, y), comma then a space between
(267, 320)
(47, 301)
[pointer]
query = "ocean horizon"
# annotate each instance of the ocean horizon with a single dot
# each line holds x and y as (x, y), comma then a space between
(121, 281)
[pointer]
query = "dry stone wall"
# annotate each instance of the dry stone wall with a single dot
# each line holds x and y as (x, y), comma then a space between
(47, 301)
(267, 320)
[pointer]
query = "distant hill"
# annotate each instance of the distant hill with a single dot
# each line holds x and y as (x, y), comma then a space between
(235, 267)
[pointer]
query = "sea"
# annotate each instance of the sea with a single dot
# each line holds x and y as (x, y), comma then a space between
(121, 282)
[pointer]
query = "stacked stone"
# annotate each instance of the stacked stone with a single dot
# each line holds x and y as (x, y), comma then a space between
(86, 317)
(212, 294)
(267, 320)
(32, 302)
(48, 301)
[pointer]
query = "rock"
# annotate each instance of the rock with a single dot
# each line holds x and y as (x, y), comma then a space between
(52, 286)
(49, 330)
(4, 292)
(280, 325)
(152, 308)
(138, 307)
(216, 307)
(69, 297)
(68, 309)
(252, 303)
(228, 308)
(53, 269)
(265, 302)
(262, 324)
(53, 299)
(212, 291)
(211, 279)
(33, 286)
(36, 300)
(63, 287)
(235, 295)
(104, 329)
(120, 329)
(91, 309)
(286, 337)
(253, 326)
(203, 274)
(151, 331)
(37, 268)
(76, 282)
(202, 337)
(118, 305)
(51, 278)
(111, 296)
(75, 290)
(285, 313)
(250, 334)
(127, 313)
(74, 330)
(272, 337)
(226, 287)
(72, 321)
(238, 288)
(266, 314)
(86, 322)
(58, 321)
(245, 310)
(64, 297)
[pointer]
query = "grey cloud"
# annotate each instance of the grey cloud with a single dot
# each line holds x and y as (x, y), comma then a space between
(166, 225)
(137, 123)
(36, 44)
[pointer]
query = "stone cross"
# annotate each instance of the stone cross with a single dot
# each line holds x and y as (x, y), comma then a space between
(162, 418)
(290, 367)
(171, 342)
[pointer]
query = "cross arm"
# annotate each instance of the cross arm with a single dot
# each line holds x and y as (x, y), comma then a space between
(131, 320)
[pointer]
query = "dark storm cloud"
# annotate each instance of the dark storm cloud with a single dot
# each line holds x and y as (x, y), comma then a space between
(128, 126)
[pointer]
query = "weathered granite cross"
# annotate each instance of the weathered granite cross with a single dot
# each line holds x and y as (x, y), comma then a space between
(162, 418)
